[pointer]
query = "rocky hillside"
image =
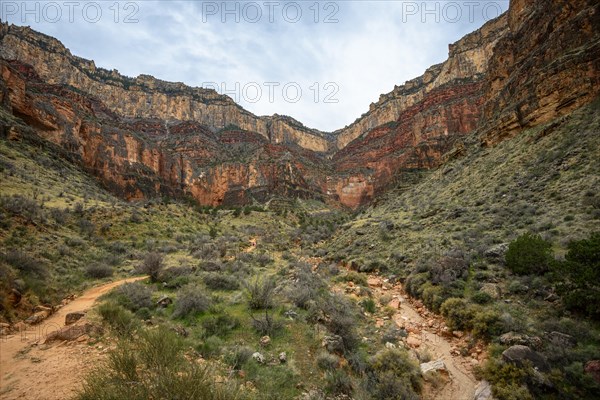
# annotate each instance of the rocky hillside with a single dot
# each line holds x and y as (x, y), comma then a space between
(538, 61)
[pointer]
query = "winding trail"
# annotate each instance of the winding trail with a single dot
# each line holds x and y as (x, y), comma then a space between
(424, 328)
(36, 371)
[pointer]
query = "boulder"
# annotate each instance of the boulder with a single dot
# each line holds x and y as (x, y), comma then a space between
(513, 338)
(413, 341)
(73, 317)
(164, 301)
(562, 339)
(497, 251)
(72, 332)
(37, 317)
(483, 391)
(437, 365)
(259, 358)
(265, 341)
(519, 354)
(283, 357)
(333, 344)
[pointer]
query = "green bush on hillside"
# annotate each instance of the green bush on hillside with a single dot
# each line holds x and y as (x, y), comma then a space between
(529, 254)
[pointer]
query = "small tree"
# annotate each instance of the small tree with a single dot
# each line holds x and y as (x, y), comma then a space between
(152, 265)
(528, 254)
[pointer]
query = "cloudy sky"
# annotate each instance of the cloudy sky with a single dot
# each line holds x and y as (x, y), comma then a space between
(321, 62)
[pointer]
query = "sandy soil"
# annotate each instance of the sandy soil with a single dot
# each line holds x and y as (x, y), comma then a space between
(32, 370)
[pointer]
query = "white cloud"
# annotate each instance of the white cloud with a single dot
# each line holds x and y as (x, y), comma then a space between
(374, 46)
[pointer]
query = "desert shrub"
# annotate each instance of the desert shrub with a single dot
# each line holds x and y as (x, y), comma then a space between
(237, 356)
(369, 305)
(26, 264)
(21, 206)
(266, 324)
(99, 270)
(342, 315)
(338, 383)
(458, 314)
(211, 266)
(509, 382)
(449, 268)
(119, 319)
(393, 333)
(212, 346)
(528, 254)
(216, 281)
(134, 295)
(352, 276)
(433, 296)
(481, 298)
(154, 366)
(487, 324)
(220, 325)
(152, 265)
(191, 301)
(263, 259)
(260, 293)
(579, 276)
(306, 286)
(391, 374)
(327, 361)
(415, 283)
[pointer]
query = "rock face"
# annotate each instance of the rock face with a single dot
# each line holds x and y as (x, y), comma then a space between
(146, 137)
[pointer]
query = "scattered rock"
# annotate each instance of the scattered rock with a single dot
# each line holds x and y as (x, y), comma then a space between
(437, 365)
(333, 344)
(72, 332)
(73, 317)
(181, 331)
(483, 391)
(265, 341)
(512, 338)
(458, 334)
(551, 298)
(562, 339)
(413, 341)
(282, 357)
(37, 317)
(497, 251)
(518, 354)
(164, 301)
(291, 314)
(389, 345)
(259, 358)
(593, 368)
(15, 297)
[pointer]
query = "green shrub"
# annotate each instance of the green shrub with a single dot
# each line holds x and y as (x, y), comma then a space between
(458, 314)
(211, 347)
(119, 319)
(238, 356)
(481, 298)
(218, 281)
(338, 383)
(393, 375)
(509, 382)
(529, 254)
(369, 305)
(220, 325)
(267, 325)
(487, 324)
(26, 264)
(154, 366)
(579, 276)
(327, 361)
(191, 301)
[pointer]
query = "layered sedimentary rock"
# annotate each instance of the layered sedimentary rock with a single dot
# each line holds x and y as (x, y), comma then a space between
(144, 136)
(146, 96)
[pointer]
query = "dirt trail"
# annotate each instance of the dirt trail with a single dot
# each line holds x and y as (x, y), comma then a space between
(424, 328)
(31, 370)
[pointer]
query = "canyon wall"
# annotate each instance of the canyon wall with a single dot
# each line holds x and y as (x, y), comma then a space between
(143, 136)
